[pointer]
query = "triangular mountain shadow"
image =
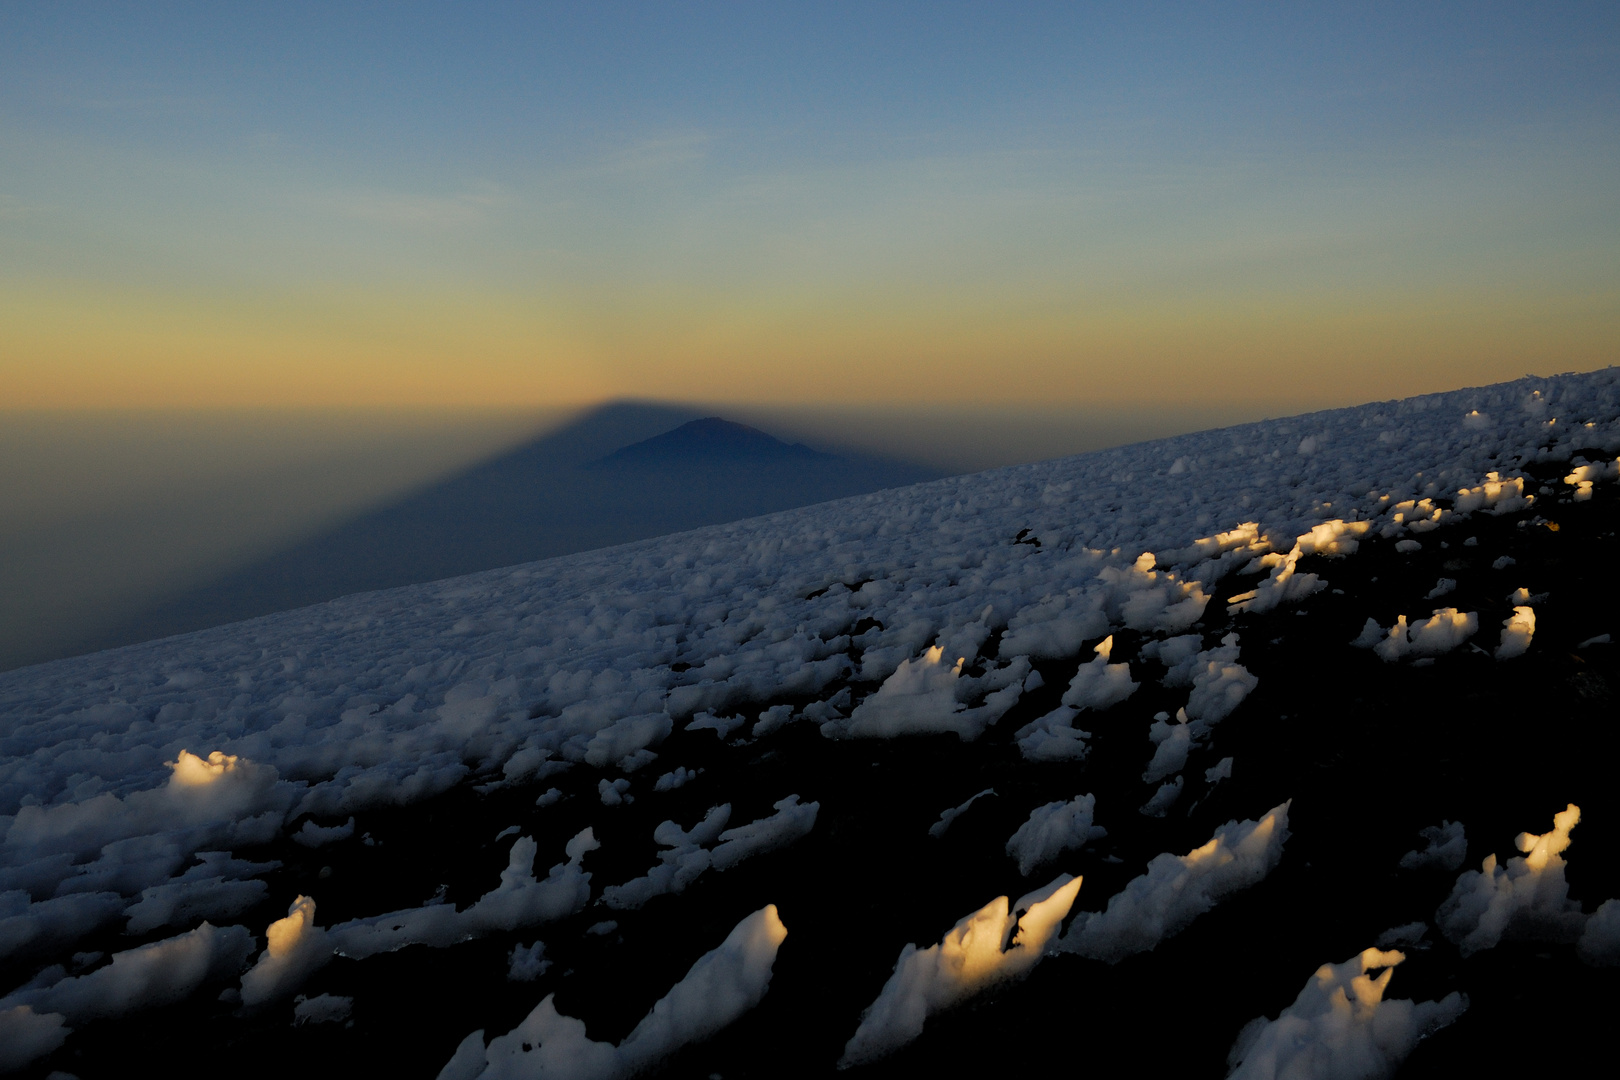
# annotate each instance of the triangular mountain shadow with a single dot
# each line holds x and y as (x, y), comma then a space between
(574, 489)
(710, 441)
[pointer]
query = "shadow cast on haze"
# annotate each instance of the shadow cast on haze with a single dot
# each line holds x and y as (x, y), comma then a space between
(623, 472)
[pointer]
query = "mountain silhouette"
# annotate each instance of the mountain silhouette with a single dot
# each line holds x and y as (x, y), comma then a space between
(712, 441)
(625, 471)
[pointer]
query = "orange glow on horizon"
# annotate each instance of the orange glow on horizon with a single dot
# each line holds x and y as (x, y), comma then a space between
(73, 345)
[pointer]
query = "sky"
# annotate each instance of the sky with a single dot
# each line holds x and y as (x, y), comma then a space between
(1018, 206)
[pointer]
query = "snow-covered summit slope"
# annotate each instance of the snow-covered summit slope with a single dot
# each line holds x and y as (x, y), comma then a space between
(843, 677)
(399, 693)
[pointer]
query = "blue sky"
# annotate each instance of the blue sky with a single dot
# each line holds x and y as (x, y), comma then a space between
(495, 203)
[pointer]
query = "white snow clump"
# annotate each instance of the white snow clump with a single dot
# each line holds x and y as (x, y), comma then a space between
(1172, 742)
(679, 866)
(937, 829)
(1341, 1027)
(27, 1036)
(1098, 684)
(1054, 737)
(1517, 630)
(1443, 631)
(1527, 898)
(1178, 888)
(921, 697)
(791, 821)
(1285, 585)
(1447, 847)
(1164, 798)
(295, 948)
(1220, 684)
(160, 973)
(1495, 496)
(1052, 830)
(722, 985)
(321, 1009)
(1599, 943)
(526, 963)
(313, 835)
(993, 944)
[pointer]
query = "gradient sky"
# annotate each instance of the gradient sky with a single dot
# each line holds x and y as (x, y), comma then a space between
(482, 204)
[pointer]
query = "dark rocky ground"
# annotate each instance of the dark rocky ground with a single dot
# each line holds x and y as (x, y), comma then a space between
(1369, 752)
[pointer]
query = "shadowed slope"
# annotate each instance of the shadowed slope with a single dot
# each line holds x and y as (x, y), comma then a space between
(572, 490)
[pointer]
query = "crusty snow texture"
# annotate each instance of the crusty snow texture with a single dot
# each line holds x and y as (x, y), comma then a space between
(1052, 830)
(1447, 847)
(1178, 888)
(157, 974)
(1599, 942)
(724, 983)
(1341, 1027)
(387, 697)
(1527, 898)
(1517, 630)
(120, 770)
(1444, 630)
(993, 944)
(688, 855)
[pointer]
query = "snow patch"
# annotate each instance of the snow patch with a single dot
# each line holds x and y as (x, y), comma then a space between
(720, 987)
(1527, 898)
(1053, 829)
(993, 944)
(1447, 847)
(1178, 888)
(1341, 1026)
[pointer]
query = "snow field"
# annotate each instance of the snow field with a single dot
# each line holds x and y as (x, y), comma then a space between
(869, 617)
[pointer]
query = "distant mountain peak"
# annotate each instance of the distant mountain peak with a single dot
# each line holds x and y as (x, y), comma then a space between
(712, 438)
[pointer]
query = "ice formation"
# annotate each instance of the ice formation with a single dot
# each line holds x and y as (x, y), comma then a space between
(1054, 737)
(160, 973)
(1447, 847)
(294, 948)
(120, 770)
(993, 944)
(1178, 888)
(520, 900)
(722, 985)
(791, 821)
(526, 963)
(1599, 943)
(313, 835)
(1526, 898)
(1285, 585)
(1053, 829)
(1164, 797)
(1585, 476)
(321, 1009)
(937, 829)
(1407, 934)
(683, 863)
(1517, 630)
(1443, 631)
(921, 697)
(1341, 1027)
(1100, 684)
(1172, 741)
(1220, 684)
(27, 1036)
